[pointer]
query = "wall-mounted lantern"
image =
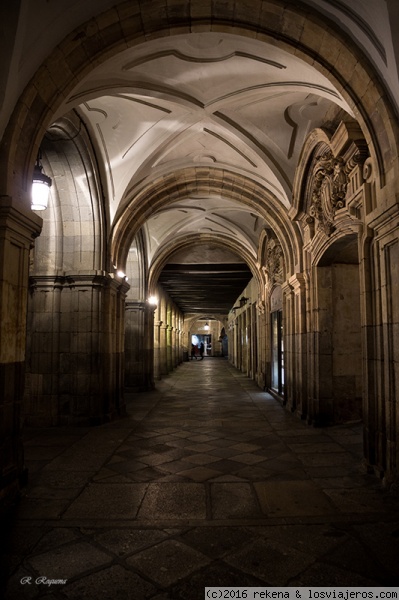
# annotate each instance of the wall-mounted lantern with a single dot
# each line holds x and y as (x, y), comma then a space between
(41, 185)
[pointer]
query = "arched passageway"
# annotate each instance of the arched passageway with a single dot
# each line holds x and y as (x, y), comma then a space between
(260, 133)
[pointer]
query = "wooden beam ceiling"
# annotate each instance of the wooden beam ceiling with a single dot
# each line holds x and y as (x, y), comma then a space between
(205, 288)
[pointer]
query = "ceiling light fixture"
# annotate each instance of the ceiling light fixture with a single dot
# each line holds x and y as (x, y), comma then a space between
(41, 185)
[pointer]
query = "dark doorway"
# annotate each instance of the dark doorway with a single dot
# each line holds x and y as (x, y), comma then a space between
(277, 352)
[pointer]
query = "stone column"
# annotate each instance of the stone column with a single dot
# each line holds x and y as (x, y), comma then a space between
(254, 344)
(299, 356)
(174, 339)
(248, 342)
(163, 341)
(261, 337)
(162, 338)
(18, 228)
(157, 349)
(382, 369)
(240, 339)
(369, 351)
(169, 357)
(323, 408)
(289, 346)
(76, 353)
(312, 371)
(134, 344)
(179, 347)
(148, 356)
(268, 339)
(237, 341)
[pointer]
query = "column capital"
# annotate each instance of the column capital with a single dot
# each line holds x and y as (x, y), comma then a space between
(26, 225)
(80, 279)
(287, 288)
(297, 282)
(135, 305)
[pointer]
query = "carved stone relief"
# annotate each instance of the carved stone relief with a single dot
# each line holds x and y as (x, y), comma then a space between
(330, 179)
(274, 262)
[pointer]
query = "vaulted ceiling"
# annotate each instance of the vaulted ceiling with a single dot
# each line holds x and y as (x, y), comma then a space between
(203, 100)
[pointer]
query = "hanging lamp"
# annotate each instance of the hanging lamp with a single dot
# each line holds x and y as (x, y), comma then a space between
(41, 185)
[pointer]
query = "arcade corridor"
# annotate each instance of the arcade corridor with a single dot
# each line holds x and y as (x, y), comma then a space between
(207, 481)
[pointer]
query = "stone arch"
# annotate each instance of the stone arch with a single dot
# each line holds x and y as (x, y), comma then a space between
(63, 245)
(186, 242)
(126, 25)
(193, 318)
(69, 290)
(136, 268)
(138, 319)
(179, 185)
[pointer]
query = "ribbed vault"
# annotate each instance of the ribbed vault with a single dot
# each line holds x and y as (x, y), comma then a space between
(289, 29)
(198, 115)
(203, 183)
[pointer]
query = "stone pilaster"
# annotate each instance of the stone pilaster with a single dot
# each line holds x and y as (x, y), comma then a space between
(157, 349)
(174, 339)
(18, 229)
(299, 347)
(134, 344)
(262, 341)
(289, 346)
(76, 349)
(169, 355)
(148, 350)
(382, 350)
(163, 349)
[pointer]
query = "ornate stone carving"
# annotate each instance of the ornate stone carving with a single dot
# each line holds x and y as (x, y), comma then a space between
(275, 262)
(330, 182)
(260, 306)
(368, 170)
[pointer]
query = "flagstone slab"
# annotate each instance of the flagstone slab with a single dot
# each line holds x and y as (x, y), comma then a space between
(174, 501)
(292, 499)
(168, 562)
(234, 501)
(107, 501)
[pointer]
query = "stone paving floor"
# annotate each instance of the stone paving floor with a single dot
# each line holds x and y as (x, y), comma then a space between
(209, 481)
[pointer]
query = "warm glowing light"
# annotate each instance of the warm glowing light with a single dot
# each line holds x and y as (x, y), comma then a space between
(153, 300)
(40, 194)
(121, 274)
(41, 185)
(206, 327)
